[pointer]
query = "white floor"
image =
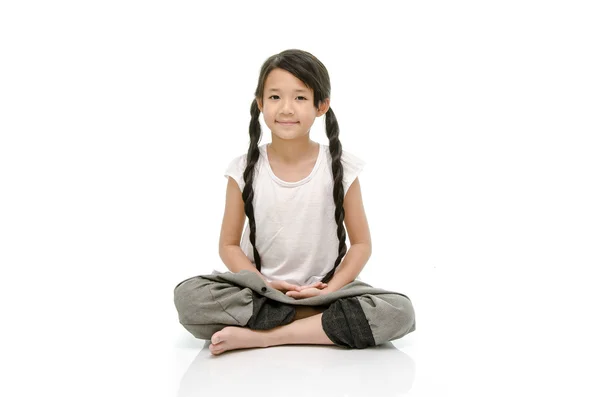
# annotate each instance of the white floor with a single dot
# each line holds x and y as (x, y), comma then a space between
(302, 370)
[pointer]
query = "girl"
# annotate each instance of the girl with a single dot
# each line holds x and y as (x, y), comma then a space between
(292, 281)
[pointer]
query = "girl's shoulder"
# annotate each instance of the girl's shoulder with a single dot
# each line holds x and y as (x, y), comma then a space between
(352, 159)
(351, 164)
(241, 158)
(236, 166)
(349, 159)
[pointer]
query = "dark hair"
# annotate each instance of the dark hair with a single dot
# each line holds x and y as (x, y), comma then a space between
(308, 69)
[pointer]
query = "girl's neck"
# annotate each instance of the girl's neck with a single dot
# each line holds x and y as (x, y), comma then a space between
(292, 151)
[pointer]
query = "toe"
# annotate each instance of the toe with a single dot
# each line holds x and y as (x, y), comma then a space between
(216, 350)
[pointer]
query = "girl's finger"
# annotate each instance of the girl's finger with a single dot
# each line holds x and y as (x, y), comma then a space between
(318, 284)
(291, 287)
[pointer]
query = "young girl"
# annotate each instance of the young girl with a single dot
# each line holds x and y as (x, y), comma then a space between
(292, 280)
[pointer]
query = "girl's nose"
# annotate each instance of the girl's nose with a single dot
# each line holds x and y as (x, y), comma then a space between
(287, 108)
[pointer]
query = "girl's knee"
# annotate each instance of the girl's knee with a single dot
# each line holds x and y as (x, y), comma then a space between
(345, 324)
(194, 301)
(185, 299)
(203, 303)
(396, 316)
(405, 316)
(369, 320)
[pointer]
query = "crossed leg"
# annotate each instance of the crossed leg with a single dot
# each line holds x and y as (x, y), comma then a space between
(355, 321)
(306, 328)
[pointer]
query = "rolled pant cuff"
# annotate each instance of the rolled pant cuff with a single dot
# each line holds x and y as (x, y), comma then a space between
(345, 323)
(268, 314)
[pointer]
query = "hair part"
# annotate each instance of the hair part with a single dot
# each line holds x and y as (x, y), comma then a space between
(308, 69)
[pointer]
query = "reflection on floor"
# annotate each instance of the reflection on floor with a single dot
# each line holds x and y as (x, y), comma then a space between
(300, 370)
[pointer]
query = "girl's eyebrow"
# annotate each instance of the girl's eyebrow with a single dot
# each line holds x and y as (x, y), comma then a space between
(277, 90)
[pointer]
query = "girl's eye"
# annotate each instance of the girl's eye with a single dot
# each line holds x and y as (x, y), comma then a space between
(277, 97)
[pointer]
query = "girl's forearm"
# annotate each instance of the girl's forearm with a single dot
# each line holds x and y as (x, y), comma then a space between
(234, 258)
(353, 263)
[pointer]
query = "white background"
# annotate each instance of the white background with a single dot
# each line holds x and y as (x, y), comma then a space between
(479, 123)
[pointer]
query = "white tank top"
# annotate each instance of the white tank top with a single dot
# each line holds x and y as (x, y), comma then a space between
(295, 226)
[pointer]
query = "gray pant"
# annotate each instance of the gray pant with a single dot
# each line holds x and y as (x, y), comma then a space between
(356, 316)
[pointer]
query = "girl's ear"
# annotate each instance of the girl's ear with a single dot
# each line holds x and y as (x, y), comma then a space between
(323, 107)
(259, 103)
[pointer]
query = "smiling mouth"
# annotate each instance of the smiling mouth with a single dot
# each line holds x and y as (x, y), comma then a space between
(287, 122)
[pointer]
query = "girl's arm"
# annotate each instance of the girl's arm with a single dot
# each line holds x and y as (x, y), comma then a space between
(353, 263)
(360, 239)
(231, 232)
(234, 258)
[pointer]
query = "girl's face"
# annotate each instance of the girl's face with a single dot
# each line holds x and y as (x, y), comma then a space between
(287, 105)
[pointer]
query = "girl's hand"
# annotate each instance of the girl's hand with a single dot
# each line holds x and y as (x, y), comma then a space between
(307, 293)
(283, 286)
(318, 284)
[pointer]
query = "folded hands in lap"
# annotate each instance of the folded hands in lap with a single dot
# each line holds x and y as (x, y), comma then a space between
(299, 292)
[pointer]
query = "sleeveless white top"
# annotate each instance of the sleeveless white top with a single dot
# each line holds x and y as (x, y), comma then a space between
(295, 226)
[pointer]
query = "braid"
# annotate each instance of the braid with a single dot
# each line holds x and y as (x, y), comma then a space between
(251, 160)
(335, 148)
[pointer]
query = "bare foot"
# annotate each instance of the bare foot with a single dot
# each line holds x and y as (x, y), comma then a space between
(231, 338)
